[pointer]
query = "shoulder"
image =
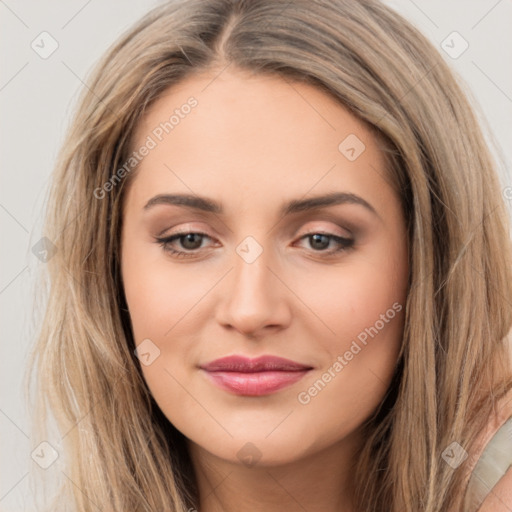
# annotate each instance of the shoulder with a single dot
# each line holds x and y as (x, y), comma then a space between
(489, 465)
(499, 498)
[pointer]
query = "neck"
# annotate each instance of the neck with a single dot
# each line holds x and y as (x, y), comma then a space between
(319, 482)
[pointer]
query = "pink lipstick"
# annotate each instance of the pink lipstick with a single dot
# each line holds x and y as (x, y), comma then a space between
(254, 377)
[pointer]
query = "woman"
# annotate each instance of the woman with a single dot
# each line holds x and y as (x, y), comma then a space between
(258, 370)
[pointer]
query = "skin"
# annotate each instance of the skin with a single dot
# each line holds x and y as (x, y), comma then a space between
(253, 143)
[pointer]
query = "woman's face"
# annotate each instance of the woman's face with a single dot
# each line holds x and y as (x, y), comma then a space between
(302, 255)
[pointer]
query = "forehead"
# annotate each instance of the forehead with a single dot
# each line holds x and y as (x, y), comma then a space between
(248, 102)
(259, 135)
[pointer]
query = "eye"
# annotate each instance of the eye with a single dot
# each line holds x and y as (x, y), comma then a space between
(319, 241)
(191, 241)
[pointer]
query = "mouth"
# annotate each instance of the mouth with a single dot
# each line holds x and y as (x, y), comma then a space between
(254, 377)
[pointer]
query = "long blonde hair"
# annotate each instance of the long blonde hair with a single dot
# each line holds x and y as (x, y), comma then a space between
(121, 453)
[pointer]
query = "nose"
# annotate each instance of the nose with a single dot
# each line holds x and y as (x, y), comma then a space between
(254, 299)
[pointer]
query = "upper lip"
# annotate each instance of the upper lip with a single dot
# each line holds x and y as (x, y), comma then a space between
(260, 364)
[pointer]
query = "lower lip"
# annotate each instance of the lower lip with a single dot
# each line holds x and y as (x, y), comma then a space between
(257, 383)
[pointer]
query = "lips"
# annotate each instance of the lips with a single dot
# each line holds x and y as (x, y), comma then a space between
(254, 377)
(261, 364)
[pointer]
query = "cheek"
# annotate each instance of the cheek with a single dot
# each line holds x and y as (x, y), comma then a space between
(158, 293)
(363, 305)
(168, 305)
(367, 293)
(365, 309)
(162, 301)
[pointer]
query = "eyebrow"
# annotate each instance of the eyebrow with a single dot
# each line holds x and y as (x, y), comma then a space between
(209, 205)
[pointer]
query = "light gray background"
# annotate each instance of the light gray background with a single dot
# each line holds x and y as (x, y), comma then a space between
(35, 99)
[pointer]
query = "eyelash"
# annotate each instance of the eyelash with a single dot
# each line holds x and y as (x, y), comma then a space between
(345, 243)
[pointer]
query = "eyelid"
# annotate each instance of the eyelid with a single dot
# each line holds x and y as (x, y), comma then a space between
(183, 229)
(187, 228)
(337, 230)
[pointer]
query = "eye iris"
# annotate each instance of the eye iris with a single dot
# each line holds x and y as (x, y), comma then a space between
(189, 237)
(318, 238)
